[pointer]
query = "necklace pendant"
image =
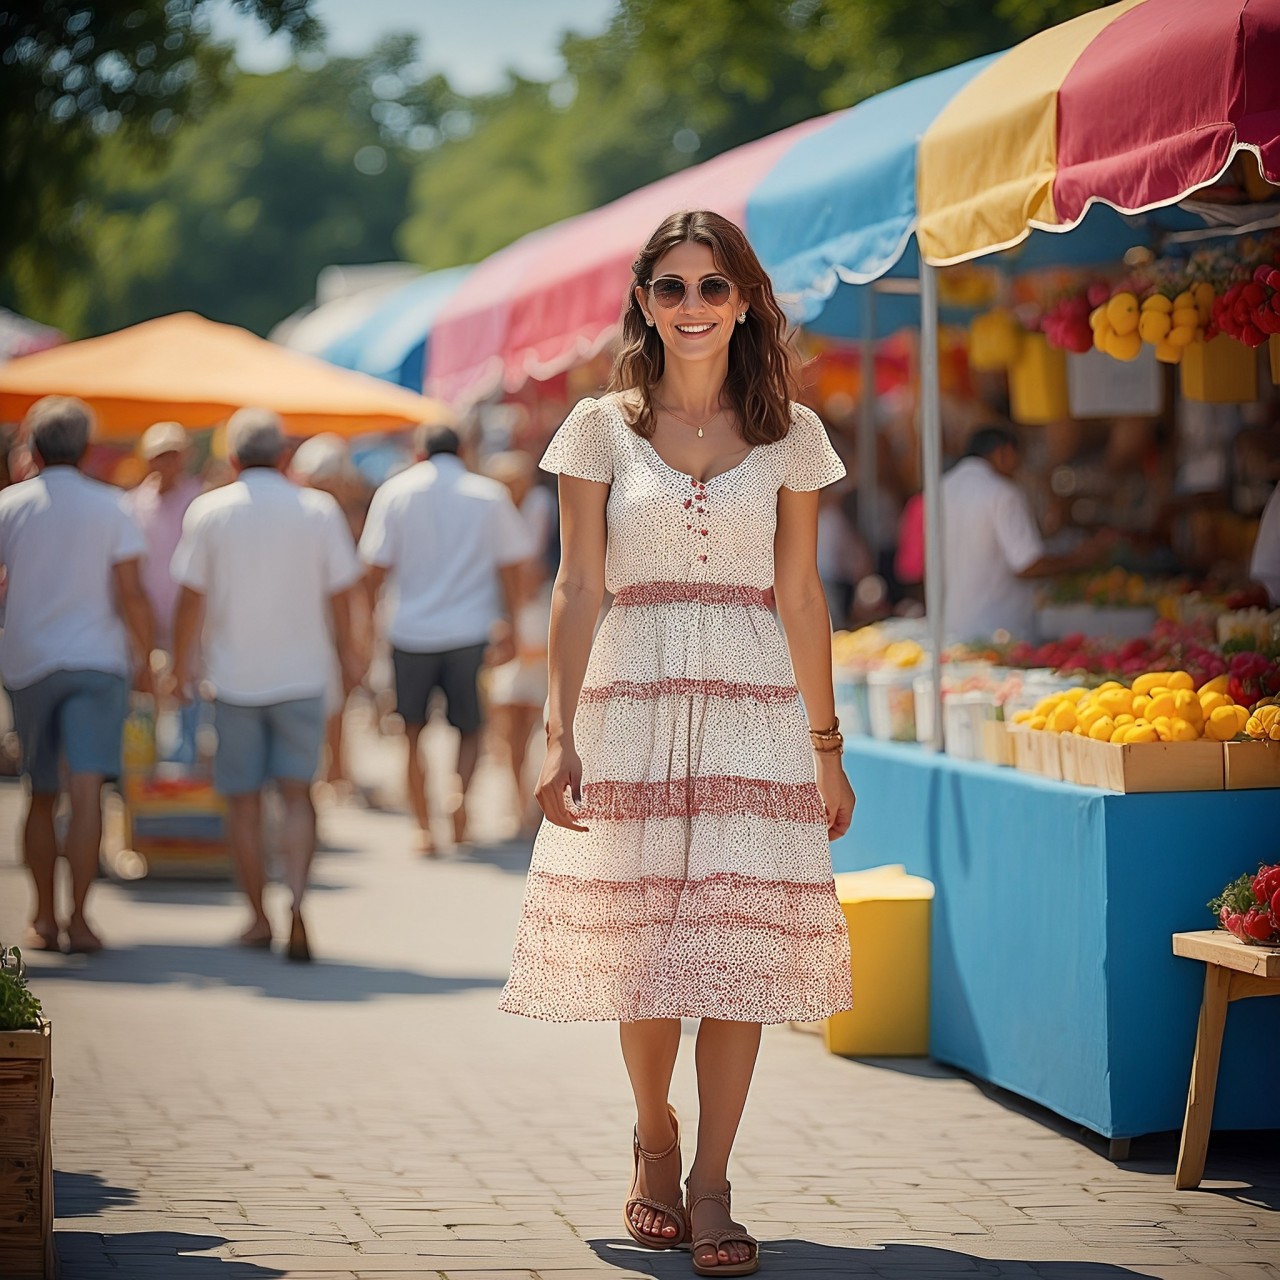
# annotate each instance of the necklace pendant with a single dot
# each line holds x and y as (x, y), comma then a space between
(699, 433)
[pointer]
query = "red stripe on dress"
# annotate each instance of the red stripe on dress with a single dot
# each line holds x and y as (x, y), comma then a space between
(690, 592)
(722, 796)
(640, 690)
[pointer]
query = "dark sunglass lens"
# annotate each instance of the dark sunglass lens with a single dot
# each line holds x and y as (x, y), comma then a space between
(715, 291)
(668, 292)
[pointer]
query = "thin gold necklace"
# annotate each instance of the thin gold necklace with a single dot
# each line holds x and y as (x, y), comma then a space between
(705, 423)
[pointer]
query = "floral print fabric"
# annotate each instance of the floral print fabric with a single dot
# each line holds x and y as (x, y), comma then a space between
(703, 886)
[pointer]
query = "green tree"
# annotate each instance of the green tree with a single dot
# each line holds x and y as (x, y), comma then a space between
(286, 174)
(75, 74)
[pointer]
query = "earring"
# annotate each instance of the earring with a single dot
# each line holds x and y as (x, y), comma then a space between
(742, 319)
(649, 321)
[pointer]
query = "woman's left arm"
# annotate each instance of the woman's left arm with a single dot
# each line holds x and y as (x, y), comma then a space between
(802, 609)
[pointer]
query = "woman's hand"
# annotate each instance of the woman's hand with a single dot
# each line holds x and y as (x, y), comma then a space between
(560, 770)
(836, 792)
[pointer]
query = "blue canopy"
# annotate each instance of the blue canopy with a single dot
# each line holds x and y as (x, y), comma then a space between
(391, 343)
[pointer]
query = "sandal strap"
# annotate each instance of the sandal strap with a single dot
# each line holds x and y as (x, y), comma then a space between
(720, 1197)
(654, 1155)
(726, 1235)
(657, 1206)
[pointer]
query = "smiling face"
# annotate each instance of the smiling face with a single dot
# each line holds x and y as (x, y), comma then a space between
(693, 329)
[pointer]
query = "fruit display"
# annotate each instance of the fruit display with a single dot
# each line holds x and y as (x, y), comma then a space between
(1249, 310)
(871, 647)
(1249, 908)
(1264, 724)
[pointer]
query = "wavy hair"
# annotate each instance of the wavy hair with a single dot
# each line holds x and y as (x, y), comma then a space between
(761, 382)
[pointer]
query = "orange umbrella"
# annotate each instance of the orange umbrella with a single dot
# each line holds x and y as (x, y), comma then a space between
(189, 369)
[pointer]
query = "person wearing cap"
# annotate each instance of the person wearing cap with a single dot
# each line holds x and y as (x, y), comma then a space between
(449, 544)
(158, 505)
(78, 626)
(266, 570)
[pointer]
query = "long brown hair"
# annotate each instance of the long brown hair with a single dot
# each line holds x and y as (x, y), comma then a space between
(761, 382)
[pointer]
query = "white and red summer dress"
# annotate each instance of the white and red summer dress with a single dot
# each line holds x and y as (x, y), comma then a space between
(703, 887)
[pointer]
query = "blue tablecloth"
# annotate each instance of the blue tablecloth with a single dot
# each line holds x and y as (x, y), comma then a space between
(1052, 972)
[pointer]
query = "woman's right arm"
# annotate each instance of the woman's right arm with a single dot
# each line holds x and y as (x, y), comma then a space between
(575, 606)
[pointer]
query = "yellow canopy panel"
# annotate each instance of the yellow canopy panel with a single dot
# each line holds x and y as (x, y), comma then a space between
(197, 372)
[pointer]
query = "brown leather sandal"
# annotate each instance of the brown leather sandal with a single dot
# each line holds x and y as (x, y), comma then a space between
(734, 1233)
(674, 1212)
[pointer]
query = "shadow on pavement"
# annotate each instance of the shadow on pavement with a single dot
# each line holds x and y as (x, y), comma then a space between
(511, 856)
(325, 981)
(81, 1195)
(889, 1262)
(140, 1254)
(197, 893)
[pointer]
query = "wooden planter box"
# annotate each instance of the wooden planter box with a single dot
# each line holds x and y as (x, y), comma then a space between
(26, 1156)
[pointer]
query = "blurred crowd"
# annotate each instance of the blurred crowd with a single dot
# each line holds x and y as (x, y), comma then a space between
(249, 597)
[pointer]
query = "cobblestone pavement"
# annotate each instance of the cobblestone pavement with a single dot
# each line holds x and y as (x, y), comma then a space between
(223, 1114)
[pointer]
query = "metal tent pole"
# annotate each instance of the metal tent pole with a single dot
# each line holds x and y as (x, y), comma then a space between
(931, 459)
(868, 463)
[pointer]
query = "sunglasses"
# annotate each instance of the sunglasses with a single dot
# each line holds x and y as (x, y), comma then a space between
(671, 291)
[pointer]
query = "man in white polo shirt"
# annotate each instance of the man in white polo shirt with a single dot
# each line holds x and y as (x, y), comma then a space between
(992, 547)
(269, 568)
(75, 602)
(449, 542)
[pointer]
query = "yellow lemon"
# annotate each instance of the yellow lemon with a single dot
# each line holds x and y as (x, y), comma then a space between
(1122, 312)
(1180, 680)
(1102, 729)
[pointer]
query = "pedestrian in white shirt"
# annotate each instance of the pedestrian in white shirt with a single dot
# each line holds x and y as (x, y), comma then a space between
(77, 627)
(449, 544)
(266, 571)
(992, 548)
(1264, 568)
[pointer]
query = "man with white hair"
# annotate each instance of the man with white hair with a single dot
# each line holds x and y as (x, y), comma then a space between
(75, 603)
(269, 569)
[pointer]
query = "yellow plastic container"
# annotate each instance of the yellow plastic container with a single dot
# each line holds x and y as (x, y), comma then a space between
(1223, 371)
(887, 912)
(1038, 383)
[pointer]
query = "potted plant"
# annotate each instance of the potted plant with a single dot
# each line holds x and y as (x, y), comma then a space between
(26, 1148)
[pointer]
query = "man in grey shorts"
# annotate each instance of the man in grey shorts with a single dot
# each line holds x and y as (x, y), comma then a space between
(77, 626)
(269, 570)
(448, 542)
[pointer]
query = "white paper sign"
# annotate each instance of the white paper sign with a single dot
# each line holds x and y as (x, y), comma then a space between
(1099, 386)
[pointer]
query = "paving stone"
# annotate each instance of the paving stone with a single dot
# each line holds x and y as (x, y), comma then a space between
(373, 1115)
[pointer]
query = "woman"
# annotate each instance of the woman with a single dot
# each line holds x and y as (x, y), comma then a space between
(689, 874)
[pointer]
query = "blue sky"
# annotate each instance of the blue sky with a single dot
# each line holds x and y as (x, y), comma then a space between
(472, 41)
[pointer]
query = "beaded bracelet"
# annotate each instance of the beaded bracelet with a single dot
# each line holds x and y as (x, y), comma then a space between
(827, 740)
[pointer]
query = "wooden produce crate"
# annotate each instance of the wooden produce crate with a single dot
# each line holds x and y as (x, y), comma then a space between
(1250, 766)
(1036, 751)
(1145, 766)
(997, 745)
(26, 1155)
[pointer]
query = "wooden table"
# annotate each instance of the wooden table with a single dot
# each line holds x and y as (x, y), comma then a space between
(1233, 971)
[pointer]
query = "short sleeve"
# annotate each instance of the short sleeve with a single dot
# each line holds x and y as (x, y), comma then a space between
(129, 542)
(1016, 530)
(378, 544)
(190, 564)
(341, 564)
(811, 462)
(583, 445)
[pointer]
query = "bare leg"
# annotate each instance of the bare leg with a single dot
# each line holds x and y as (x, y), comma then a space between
(336, 768)
(416, 784)
(298, 836)
(84, 843)
(523, 719)
(649, 1049)
(468, 755)
(244, 834)
(40, 848)
(725, 1058)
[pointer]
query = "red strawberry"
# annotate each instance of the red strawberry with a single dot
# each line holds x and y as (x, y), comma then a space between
(1275, 906)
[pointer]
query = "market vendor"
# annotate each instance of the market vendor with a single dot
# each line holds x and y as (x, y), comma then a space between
(992, 547)
(1264, 568)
